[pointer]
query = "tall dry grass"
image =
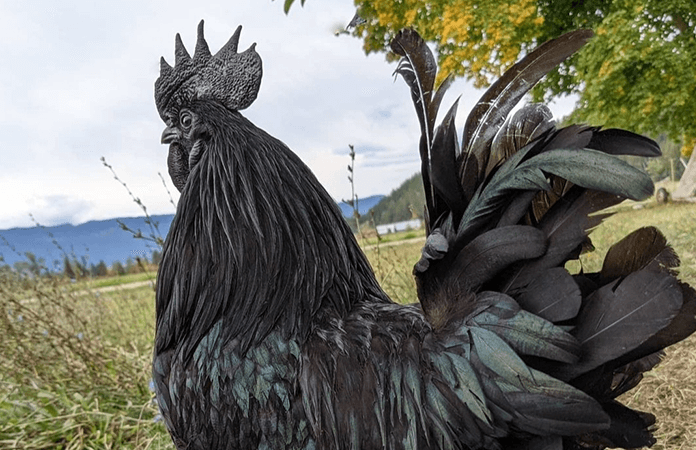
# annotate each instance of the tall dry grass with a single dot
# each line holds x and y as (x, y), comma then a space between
(75, 367)
(75, 364)
(668, 391)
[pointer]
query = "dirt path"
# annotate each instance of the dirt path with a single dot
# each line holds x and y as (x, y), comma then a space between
(138, 284)
(395, 243)
(119, 287)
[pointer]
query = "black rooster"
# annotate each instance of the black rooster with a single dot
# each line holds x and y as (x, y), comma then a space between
(273, 333)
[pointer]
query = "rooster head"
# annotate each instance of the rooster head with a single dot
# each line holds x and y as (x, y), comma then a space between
(229, 78)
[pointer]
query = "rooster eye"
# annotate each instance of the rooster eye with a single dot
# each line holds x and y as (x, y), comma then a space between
(185, 119)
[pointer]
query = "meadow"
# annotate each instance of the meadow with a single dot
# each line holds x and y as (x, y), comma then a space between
(75, 360)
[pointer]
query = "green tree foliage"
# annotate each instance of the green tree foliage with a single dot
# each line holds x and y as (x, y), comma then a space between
(68, 269)
(101, 269)
(131, 266)
(668, 165)
(637, 73)
(403, 203)
(156, 257)
(33, 265)
(81, 267)
(118, 268)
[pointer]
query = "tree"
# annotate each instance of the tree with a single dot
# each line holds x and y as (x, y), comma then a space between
(35, 265)
(118, 268)
(156, 257)
(402, 202)
(81, 267)
(668, 165)
(636, 73)
(101, 269)
(130, 265)
(687, 185)
(67, 269)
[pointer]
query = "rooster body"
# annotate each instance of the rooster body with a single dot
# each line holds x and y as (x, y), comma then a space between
(272, 331)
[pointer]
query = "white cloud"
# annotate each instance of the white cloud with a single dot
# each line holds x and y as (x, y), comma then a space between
(78, 85)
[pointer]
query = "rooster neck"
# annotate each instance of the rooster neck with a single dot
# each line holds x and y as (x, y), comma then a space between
(256, 242)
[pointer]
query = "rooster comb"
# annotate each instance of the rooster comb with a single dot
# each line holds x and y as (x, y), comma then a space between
(229, 77)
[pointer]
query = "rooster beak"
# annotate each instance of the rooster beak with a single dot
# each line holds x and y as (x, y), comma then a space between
(169, 135)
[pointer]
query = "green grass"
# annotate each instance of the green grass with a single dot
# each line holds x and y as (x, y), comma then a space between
(676, 220)
(75, 359)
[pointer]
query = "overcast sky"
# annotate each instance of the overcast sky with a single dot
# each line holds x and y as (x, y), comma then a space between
(77, 80)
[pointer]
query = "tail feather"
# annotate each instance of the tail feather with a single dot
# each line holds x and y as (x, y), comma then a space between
(524, 332)
(527, 398)
(637, 250)
(681, 326)
(537, 443)
(444, 177)
(620, 316)
(628, 428)
(525, 126)
(418, 69)
(494, 106)
(550, 351)
(628, 376)
(489, 253)
(607, 384)
(628, 269)
(527, 169)
(553, 295)
(566, 226)
(621, 142)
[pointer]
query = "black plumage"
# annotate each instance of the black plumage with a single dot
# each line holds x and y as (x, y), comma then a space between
(272, 331)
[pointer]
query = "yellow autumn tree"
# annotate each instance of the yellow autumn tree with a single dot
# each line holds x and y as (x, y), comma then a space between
(495, 33)
(638, 72)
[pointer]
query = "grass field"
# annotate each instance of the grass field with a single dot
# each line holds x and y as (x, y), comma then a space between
(75, 360)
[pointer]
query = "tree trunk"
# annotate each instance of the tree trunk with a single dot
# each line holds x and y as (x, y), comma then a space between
(687, 184)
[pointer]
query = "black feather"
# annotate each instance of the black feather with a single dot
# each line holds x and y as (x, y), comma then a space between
(526, 125)
(681, 326)
(620, 316)
(489, 253)
(493, 107)
(553, 295)
(621, 142)
(418, 69)
(629, 429)
(645, 246)
(444, 175)
(272, 331)
(566, 225)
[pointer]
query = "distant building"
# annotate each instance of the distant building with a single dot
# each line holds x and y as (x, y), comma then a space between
(413, 224)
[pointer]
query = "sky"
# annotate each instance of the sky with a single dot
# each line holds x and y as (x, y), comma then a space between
(77, 85)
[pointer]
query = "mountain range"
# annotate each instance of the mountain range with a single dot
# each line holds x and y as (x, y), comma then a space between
(102, 240)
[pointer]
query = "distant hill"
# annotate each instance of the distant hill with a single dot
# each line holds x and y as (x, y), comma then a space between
(101, 240)
(402, 202)
(90, 242)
